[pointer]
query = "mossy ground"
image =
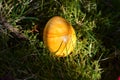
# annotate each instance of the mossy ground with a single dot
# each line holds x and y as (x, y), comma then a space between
(96, 56)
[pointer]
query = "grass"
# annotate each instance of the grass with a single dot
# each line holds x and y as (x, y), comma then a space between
(97, 32)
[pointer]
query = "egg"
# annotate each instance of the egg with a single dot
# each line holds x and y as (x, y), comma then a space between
(59, 36)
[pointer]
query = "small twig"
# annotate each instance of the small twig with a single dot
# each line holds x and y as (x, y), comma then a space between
(15, 31)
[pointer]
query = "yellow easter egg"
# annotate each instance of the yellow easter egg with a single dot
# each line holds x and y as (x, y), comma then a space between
(59, 36)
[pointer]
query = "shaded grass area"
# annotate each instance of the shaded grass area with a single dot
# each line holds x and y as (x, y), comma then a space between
(95, 57)
(108, 32)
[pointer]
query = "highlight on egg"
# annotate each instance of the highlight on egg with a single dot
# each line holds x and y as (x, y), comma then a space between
(59, 36)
